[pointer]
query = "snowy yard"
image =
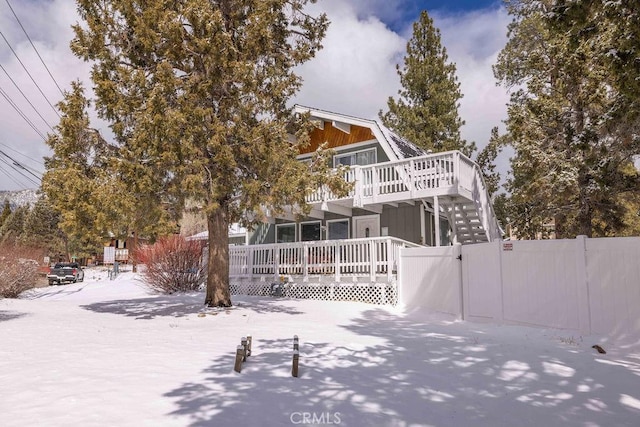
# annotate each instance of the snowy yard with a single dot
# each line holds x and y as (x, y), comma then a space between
(109, 353)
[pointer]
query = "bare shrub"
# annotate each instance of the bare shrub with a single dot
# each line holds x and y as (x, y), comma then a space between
(172, 264)
(18, 269)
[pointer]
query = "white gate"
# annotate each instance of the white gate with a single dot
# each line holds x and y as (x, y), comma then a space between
(430, 278)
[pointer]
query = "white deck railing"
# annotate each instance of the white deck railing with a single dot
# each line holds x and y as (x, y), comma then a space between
(449, 173)
(429, 175)
(354, 257)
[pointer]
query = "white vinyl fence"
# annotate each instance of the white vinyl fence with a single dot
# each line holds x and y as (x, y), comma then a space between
(429, 278)
(587, 285)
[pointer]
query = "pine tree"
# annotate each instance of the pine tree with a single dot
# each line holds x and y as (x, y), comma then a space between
(6, 211)
(573, 141)
(426, 111)
(486, 160)
(197, 91)
(13, 227)
(76, 182)
(41, 228)
(86, 183)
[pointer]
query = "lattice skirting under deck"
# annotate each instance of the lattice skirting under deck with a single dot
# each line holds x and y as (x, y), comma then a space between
(383, 293)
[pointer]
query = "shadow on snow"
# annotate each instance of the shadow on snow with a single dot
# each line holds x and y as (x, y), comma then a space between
(424, 374)
(182, 306)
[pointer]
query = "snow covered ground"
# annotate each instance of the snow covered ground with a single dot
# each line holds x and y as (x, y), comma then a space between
(110, 353)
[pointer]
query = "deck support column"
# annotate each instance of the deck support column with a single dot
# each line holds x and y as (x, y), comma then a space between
(436, 219)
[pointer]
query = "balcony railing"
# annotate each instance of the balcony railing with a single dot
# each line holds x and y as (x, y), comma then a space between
(429, 175)
(368, 257)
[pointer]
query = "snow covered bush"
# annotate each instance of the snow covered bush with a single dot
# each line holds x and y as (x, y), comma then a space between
(172, 264)
(18, 271)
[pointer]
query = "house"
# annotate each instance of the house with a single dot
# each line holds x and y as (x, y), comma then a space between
(398, 188)
(402, 196)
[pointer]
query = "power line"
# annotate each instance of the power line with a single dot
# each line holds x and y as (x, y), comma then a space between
(15, 107)
(23, 155)
(21, 166)
(16, 169)
(34, 48)
(28, 73)
(19, 184)
(27, 99)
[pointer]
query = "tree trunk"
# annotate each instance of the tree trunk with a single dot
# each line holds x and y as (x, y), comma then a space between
(218, 294)
(132, 251)
(585, 215)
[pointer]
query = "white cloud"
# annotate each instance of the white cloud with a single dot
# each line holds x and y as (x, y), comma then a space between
(473, 42)
(48, 25)
(354, 73)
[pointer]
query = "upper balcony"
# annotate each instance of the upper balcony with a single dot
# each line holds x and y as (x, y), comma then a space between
(450, 181)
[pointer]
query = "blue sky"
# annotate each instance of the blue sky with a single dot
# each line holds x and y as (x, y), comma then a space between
(354, 73)
(401, 14)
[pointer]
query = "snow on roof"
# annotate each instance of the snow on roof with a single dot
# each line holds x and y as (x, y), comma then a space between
(234, 230)
(402, 147)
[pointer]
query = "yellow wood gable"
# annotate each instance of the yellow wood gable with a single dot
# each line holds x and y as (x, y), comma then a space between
(337, 137)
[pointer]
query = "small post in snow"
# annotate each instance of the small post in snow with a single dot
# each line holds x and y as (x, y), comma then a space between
(296, 357)
(243, 343)
(238, 365)
(294, 368)
(248, 345)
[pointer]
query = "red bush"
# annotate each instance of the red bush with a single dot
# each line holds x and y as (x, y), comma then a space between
(172, 264)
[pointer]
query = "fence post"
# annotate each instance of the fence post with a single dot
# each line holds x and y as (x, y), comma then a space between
(358, 187)
(238, 365)
(390, 260)
(276, 263)
(582, 284)
(249, 345)
(249, 253)
(372, 259)
(374, 184)
(411, 184)
(336, 260)
(305, 261)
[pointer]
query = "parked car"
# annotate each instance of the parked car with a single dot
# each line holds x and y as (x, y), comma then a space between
(65, 272)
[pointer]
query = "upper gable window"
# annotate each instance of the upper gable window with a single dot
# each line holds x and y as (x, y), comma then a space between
(361, 158)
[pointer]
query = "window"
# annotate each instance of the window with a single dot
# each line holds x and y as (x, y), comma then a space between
(338, 229)
(285, 233)
(365, 157)
(309, 231)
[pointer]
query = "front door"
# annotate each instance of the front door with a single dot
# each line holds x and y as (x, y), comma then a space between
(366, 226)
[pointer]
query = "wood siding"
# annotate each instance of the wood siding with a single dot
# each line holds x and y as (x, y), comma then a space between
(336, 138)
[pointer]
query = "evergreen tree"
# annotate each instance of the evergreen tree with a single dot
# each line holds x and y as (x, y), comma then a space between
(486, 160)
(86, 183)
(196, 91)
(76, 182)
(13, 227)
(6, 211)
(573, 141)
(41, 228)
(426, 111)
